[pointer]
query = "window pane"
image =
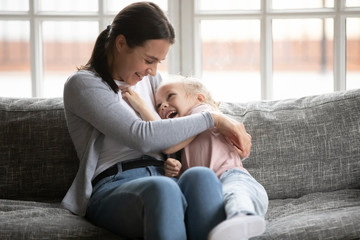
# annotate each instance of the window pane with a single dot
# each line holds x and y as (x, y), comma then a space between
(302, 57)
(115, 6)
(68, 5)
(352, 3)
(14, 5)
(231, 59)
(216, 5)
(67, 45)
(15, 80)
(353, 53)
(302, 4)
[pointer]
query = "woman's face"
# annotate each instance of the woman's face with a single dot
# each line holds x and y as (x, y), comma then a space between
(132, 64)
(173, 101)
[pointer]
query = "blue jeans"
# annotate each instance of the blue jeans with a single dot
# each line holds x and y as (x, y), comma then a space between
(243, 194)
(142, 203)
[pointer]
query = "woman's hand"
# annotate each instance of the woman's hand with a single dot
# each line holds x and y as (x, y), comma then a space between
(235, 132)
(172, 167)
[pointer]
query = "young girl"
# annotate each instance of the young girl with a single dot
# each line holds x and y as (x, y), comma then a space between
(245, 199)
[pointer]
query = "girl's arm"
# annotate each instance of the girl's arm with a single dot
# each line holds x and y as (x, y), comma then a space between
(172, 167)
(148, 115)
(138, 104)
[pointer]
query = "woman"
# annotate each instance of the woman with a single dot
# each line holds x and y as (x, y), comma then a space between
(120, 184)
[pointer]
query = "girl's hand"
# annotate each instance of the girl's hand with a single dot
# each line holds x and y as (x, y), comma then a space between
(172, 167)
(138, 104)
(235, 132)
(133, 98)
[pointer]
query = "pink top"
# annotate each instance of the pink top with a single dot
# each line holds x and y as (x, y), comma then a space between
(210, 149)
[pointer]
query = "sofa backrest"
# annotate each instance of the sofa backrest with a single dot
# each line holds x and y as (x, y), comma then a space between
(303, 145)
(300, 146)
(37, 158)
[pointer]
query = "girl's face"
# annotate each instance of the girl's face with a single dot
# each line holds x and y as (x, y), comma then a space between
(172, 101)
(132, 64)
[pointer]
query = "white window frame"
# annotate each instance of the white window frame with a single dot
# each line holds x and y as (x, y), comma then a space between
(185, 54)
(190, 39)
(36, 17)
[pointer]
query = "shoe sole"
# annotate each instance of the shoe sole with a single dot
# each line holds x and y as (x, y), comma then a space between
(238, 228)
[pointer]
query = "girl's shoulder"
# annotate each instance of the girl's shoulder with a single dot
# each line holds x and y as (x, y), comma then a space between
(202, 107)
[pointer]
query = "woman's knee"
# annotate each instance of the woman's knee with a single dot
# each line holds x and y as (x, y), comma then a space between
(199, 175)
(155, 197)
(161, 185)
(163, 189)
(200, 179)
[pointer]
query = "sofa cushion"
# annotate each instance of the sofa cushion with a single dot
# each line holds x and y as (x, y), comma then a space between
(331, 215)
(305, 145)
(34, 220)
(37, 157)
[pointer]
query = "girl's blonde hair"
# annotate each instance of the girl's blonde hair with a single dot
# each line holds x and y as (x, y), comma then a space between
(192, 87)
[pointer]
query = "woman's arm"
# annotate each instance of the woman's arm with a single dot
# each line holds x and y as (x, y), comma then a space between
(92, 104)
(148, 115)
(234, 131)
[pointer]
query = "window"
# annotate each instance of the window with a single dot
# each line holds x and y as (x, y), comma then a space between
(242, 50)
(230, 56)
(42, 42)
(353, 52)
(273, 49)
(15, 73)
(302, 56)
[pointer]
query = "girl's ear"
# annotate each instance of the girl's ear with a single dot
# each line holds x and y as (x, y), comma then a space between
(201, 97)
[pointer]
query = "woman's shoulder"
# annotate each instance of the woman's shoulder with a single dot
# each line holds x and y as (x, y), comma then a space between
(81, 75)
(155, 80)
(85, 84)
(83, 79)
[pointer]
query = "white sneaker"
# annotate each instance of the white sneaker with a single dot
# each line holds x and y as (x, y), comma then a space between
(238, 227)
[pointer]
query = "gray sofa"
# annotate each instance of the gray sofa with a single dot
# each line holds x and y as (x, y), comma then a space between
(306, 153)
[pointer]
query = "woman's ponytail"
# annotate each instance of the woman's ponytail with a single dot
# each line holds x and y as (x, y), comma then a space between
(98, 61)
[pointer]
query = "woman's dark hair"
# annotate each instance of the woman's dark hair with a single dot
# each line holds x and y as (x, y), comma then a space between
(138, 22)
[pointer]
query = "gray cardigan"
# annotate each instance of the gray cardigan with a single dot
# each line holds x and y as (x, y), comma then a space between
(92, 112)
